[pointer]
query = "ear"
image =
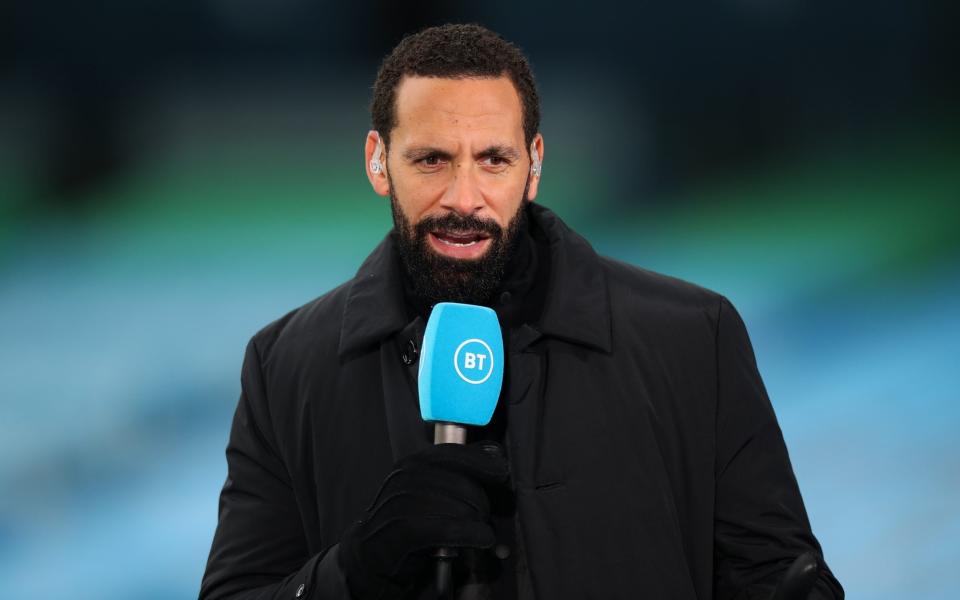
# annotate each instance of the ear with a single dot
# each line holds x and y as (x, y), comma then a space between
(374, 152)
(536, 148)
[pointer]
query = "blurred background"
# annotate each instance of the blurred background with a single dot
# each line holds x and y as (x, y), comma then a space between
(174, 175)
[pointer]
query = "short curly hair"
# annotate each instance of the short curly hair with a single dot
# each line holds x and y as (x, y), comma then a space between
(455, 52)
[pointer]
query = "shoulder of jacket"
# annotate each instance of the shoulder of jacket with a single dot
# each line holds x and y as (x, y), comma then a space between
(626, 278)
(316, 323)
(640, 293)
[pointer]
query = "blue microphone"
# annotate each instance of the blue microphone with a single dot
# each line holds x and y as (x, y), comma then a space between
(461, 372)
(461, 369)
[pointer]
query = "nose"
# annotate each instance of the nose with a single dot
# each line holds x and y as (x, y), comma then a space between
(463, 195)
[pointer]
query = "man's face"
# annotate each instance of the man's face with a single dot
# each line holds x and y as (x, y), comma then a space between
(458, 172)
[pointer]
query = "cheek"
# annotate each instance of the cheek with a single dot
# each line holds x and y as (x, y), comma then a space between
(416, 197)
(505, 197)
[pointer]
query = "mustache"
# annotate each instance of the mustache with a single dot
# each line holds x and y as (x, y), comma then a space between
(454, 222)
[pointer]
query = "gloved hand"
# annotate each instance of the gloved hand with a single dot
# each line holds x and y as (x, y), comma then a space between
(434, 498)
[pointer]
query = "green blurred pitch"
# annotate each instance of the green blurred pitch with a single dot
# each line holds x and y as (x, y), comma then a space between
(881, 210)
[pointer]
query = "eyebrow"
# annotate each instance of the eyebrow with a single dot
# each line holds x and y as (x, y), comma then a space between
(500, 150)
(420, 152)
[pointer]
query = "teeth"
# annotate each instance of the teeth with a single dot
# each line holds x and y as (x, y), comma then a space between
(461, 245)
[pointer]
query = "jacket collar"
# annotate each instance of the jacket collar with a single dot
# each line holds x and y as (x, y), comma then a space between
(375, 306)
(577, 306)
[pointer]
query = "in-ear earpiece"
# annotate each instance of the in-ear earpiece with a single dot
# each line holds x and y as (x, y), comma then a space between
(535, 166)
(375, 165)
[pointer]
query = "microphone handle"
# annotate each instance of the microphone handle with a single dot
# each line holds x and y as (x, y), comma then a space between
(447, 433)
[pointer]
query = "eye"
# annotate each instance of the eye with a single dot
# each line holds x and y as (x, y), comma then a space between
(431, 162)
(495, 162)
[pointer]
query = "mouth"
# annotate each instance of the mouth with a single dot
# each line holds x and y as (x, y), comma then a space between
(459, 243)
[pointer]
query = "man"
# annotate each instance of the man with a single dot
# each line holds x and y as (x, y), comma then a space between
(633, 453)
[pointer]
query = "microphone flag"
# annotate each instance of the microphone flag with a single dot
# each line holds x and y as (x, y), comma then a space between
(461, 364)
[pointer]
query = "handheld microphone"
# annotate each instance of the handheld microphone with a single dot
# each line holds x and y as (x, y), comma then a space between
(459, 381)
(461, 369)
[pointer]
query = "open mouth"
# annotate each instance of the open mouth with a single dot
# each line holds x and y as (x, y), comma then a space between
(460, 239)
(460, 244)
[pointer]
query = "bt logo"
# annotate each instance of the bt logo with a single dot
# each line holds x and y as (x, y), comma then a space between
(473, 361)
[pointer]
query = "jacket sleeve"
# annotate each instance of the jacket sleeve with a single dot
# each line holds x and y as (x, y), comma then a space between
(760, 524)
(259, 549)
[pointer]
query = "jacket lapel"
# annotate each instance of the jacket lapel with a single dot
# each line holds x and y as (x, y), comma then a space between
(407, 430)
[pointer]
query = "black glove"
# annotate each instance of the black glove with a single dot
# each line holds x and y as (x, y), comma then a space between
(434, 498)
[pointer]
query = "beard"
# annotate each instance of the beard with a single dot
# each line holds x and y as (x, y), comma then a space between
(437, 278)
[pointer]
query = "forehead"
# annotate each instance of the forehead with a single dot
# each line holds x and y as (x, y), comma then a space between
(440, 107)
